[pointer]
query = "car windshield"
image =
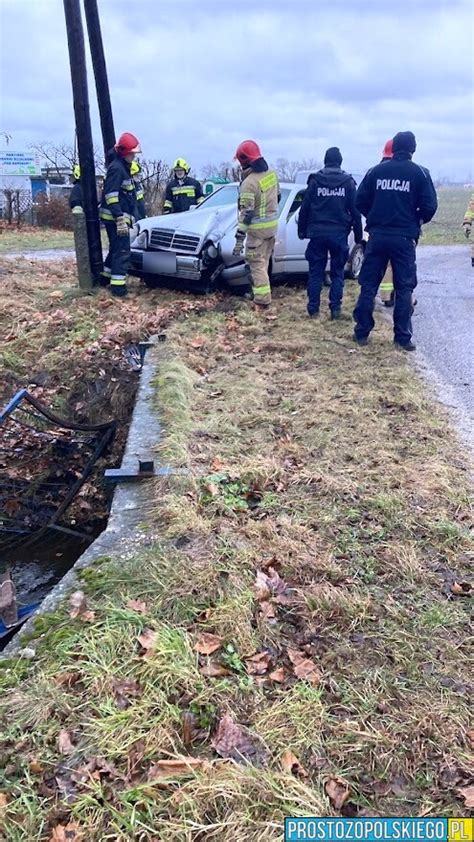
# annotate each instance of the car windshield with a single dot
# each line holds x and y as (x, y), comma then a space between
(228, 195)
(222, 196)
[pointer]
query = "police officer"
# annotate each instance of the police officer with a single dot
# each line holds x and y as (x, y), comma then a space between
(327, 214)
(182, 191)
(396, 197)
(117, 212)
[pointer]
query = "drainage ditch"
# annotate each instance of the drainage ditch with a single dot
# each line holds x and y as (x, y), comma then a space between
(54, 498)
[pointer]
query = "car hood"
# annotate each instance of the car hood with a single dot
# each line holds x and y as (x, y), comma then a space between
(209, 225)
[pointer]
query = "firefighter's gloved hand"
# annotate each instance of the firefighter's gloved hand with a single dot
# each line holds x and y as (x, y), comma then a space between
(122, 226)
(467, 230)
(239, 245)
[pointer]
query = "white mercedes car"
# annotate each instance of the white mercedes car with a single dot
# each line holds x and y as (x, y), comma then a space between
(195, 247)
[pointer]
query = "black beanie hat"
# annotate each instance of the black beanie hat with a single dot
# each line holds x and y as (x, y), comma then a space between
(404, 142)
(333, 157)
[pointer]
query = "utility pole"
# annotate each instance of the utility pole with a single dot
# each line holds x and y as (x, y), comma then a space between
(100, 74)
(85, 147)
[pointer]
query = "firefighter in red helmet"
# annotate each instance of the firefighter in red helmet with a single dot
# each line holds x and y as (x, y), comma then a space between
(117, 211)
(258, 217)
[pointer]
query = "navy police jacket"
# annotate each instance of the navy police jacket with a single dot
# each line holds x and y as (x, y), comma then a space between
(328, 206)
(396, 197)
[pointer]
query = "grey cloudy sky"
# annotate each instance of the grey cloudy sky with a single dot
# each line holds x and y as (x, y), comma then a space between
(194, 77)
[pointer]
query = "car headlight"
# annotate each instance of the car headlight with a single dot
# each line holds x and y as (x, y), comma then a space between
(141, 242)
(212, 251)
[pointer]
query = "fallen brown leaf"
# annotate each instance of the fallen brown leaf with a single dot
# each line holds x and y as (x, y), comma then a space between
(78, 606)
(66, 833)
(278, 675)
(208, 643)
(3, 802)
(267, 612)
(35, 767)
(262, 586)
(304, 667)
(67, 679)
(170, 768)
(56, 294)
(292, 765)
(124, 691)
(217, 464)
(211, 489)
(214, 670)
(198, 342)
(258, 664)
(467, 792)
(147, 640)
(470, 738)
(232, 741)
(461, 588)
(337, 791)
(137, 605)
(64, 743)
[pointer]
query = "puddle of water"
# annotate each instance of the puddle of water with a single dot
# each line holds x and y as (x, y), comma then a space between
(37, 565)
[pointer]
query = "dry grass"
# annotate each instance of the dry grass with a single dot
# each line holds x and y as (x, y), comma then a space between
(360, 498)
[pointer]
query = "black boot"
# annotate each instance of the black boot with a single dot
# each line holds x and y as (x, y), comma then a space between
(119, 290)
(335, 315)
(104, 280)
(405, 346)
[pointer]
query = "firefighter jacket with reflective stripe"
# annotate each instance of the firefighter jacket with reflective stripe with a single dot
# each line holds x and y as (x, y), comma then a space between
(140, 212)
(469, 215)
(258, 202)
(119, 194)
(329, 205)
(180, 195)
(75, 196)
(396, 197)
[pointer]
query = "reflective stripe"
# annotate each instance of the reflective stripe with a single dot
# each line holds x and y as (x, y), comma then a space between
(268, 181)
(77, 209)
(140, 195)
(386, 286)
(247, 196)
(265, 222)
(113, 201)
(127, 183)
(263, 290)
(118, 280)
(186, 191)
(106, 272)
(107, 215)
(168, 204)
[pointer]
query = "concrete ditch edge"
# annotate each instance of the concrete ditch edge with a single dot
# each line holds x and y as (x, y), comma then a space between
(129, 500)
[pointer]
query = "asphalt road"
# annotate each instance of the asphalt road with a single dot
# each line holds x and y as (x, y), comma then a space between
(443, 324)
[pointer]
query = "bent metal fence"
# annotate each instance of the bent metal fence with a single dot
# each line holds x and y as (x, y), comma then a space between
(44, 460)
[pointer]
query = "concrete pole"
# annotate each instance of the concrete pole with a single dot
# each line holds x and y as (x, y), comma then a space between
(100, 74)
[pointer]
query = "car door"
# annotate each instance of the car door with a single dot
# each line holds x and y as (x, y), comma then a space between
(294, 261)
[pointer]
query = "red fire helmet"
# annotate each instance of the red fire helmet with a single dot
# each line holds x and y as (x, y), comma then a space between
(126, 144)
(247, 151)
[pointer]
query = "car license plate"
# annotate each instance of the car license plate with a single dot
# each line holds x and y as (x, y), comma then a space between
(160, 262)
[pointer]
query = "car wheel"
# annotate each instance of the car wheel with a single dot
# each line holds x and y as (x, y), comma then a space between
(356, 260)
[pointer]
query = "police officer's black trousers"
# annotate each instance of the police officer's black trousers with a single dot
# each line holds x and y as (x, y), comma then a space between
(400, 251)
(118, 258)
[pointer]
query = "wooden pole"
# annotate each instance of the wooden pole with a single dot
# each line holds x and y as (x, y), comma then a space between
(85, 147)
(100, 74)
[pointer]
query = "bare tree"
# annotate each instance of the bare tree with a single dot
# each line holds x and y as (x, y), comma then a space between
(288, 170)
(155, 176)
(226, 169)
(57, 157)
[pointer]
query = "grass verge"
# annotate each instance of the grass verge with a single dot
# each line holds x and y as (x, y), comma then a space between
(322, 526)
